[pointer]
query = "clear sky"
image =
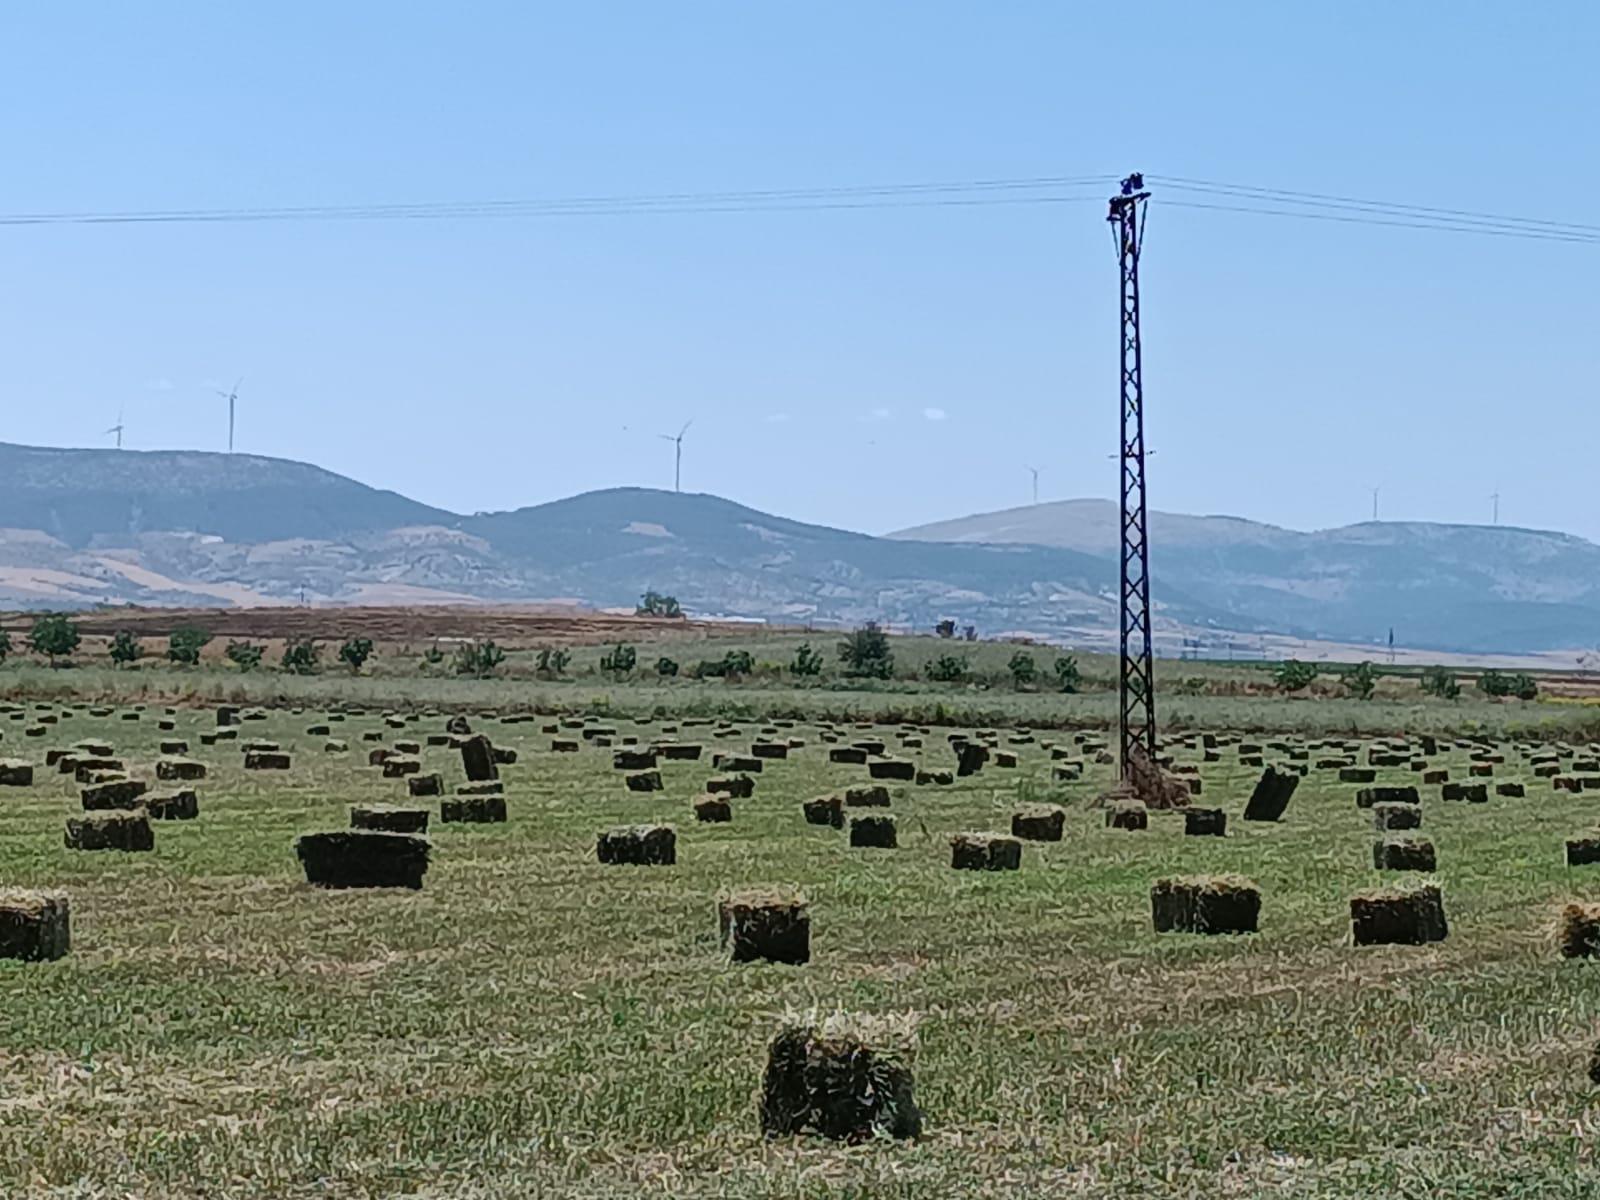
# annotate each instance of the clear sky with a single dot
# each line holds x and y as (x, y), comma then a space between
(866, 368)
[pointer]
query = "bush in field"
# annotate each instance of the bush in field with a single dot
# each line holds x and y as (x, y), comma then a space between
(945, 629)
(1440, 682)
(125, 648)
(666, 668)
(1068, 678)
(54, 636)
(1024, 671)
(432, 656)
(735, 664)
(654, 604)
(478, 658)
(300, 657)
(184, 645)
(5, 645)
(620, 660)
(355, 652)
(245, 655)
(1293, 675)
(866, 653)
(1521, 685)
(1361, 680)
(947, 668)
(551, 661)
(807, 662)
(1524, 687)
(970, 633)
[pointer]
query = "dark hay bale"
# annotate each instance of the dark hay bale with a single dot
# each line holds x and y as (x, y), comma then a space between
(1357, 774)
(563, 746)
(633, 760)
(115, 830)
(892, 768)
(15, 773)
(1388, 815)
(970, 758)
(182, 805)
(85, 769)
(645, 781)
(847, 1078)
(1069, 772)
(1404, 854)
(1205, 822)
(770, 749)
(363, 858)
(1472, 793)
(873, 832)
(336, 746)
(939, 778)
(398, 766)
(408, 747)
(1514, 790)
(477, 758)
(679, 752)
(824, 810)
(713, 810)
(735, 787)
(984, 852)
(739, 762)
(1038, 823)
(504, 757)
(1205, 904)
(1005, 760)
(1583, 851)
(872, 796)
(458, 724)
(1127, 814)
(765, 924)
(227, 715)
(1434, 778)
(486, 808)
(1369, 796)
(179, 770)
(34, 926)
(176, 748)
(638, 845)
(1402, 916)
(1580, 931)
(115, 794)
(389, 819)
(266, 760)
(425, 785)
(847, 754)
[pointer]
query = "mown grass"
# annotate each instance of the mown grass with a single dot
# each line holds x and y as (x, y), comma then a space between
(532, 1023)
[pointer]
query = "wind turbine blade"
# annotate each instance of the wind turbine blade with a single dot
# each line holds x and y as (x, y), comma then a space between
(685, 428)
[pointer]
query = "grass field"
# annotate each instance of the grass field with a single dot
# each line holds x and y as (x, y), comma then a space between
(533, 1023)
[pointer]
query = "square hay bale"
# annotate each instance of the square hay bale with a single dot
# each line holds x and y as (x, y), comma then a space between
(483, 808)
(179, 770)
(1271, 796)
(1389, 815)
(1405, 794)
(1038, 823)
(1512, 789)
(1480, 770)
(85, 769)
(477, 757)
(1005, 760)
(1068, 772)
(14, 772)
(181, 805)
(266, 760)
(389, 818)
(872, 796)
(639, 846)
(1580, 930)
(633, 760)
(680, 751)
(398, 766)
(970, 758)
(114, 830)
(1357, 774)
(1205, 904)
(1404, 854)
(873, 833)
(847, 754)
(431, 784)
(735, 787)
(336, 746)
(939, 778)
(712, 809)
(1400, 916)
(1205, 822)
(985, 852)
(408, 747)
(770, 749)
(34, 926)
(765, 925)
(563, 746)
(742, 763)
(175, 748)
(892, 768)
(376, 758)
(1434, 778)
(824, 810)
(117, 793)
(1583, 851)
(847, 1078)
(1127, 814)
(644, 781)
(363, 858)
(1472, 793)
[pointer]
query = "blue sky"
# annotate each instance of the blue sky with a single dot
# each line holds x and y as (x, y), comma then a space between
(870, 369)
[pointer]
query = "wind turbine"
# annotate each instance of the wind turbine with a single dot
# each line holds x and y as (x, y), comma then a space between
(1375, 492)
(1496, 498)
(117, 429)
(677, 458)
(232, 399)
(1035, 472)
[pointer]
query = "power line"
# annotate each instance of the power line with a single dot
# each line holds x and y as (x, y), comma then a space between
(1441, 227)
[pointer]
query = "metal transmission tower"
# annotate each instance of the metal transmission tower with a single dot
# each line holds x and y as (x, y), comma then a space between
(1136, 683)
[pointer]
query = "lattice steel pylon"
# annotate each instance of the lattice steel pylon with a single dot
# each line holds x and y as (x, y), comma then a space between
(1136, 725)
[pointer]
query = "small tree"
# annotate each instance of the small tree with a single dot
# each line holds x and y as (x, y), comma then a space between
(54, 636)
(947, 668)
(552, 661)
(807, 662)
(1492, 683)
(619, 661)
(866, 653)
(1068, 678)
(1293, 675)
(300, 657)
(654, 604)
(969, 633)
(184, 646)
(1024, 671)
(1440, 682)
(355, 652)
(666, 668)
(5, 645)
(1361, 679)
(433, 656)
(1523, 686)
(125, 648)
(244, 655)
(478, 658)
(945, 629)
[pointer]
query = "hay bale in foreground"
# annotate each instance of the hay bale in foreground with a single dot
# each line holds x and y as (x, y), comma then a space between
(363, 858)
(639, 846)
(1272, 794)
(735, 787)
(425, 785)
(1401, 916)
(1205, 904)
(873, 833)
(1396, 816)
(266, 760)
(1403, 794)
(985, 852)
(644, 781)
(179, 770)
(34, 926)
(1127, 814)
(1580, 931)
(848, 1078)
(824, 810)
(182, 805)
(1583, 851)
(1038, 823)
(765, 924)
(464, 808)
(1206, 822)
(388, 818)
(14, 772)
(1404, 854)
(114, 830)
(712, 809)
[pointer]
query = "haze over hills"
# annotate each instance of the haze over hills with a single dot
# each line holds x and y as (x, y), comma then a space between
(88, 527)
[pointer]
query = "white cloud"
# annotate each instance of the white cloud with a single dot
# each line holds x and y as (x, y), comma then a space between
(877, 414)
(934, 414)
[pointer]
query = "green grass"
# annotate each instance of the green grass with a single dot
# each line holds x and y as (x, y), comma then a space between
(532, 1023)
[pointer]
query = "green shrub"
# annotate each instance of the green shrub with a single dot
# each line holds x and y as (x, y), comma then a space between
(1361, 680)
(184, 646)
(619, 661)
(866, 653)
(355, 652)
(654, 604)
(551, 660)
(945, 629)
(5, 645)
(735, 664)
(1293, 675)
(1440, 682)
(1024, 671)
(666, 667)
(807, 662)
(54, 635)
(947, 668)
(300, 657)
(478, 658)
(1068, 678)
(125, 648)
(245, 655)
